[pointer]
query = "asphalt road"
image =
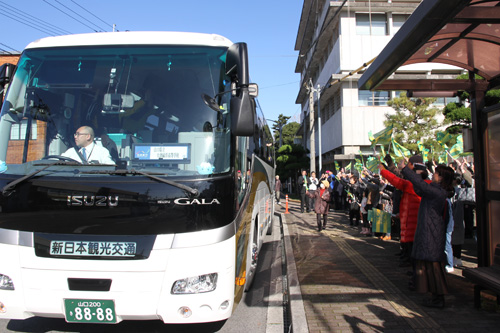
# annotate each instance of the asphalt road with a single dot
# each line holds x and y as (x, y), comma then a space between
(253, 314)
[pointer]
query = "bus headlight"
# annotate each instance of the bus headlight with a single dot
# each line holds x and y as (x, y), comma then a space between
(195, 284)
(6, 282)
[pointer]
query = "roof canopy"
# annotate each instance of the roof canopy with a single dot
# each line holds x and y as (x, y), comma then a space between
(463, 33)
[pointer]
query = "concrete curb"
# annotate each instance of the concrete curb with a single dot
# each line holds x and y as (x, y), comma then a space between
(299, 322)
(275, 309)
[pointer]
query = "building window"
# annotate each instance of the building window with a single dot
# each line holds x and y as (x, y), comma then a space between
(397, 21)
(18, 131)
(337, 102)
(443, 101)
(373, 98)
(377, 26)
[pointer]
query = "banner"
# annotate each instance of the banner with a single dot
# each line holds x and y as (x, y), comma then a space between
(381, 221)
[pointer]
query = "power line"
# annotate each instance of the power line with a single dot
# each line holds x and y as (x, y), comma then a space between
(79, 15)
(4, 50)
(91, 13)
(27, 17)
(7, 46)
(279, 85)
(65, 13)
(29, 25)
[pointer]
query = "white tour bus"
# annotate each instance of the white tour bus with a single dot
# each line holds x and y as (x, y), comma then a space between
(163, 216)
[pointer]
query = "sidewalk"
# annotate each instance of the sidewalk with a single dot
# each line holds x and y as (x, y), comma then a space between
(350, 282)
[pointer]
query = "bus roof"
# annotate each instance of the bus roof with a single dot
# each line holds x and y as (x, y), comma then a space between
(132, 38)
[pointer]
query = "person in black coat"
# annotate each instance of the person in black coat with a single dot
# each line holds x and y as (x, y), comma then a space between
(430, 236)
(303, 183)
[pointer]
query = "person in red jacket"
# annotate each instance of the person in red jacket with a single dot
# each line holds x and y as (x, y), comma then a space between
(408, 206)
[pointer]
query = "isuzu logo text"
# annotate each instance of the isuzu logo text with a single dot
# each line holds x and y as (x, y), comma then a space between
(92, 200)
(186, 201)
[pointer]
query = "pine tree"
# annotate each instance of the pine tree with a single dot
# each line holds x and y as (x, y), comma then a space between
(291, 158)
(280, 124)
(459, 115)
(415, 120)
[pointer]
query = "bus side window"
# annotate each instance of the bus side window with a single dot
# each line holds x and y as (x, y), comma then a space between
(242, 177)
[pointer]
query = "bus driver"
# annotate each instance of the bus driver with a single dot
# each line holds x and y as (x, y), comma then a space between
(88, 151)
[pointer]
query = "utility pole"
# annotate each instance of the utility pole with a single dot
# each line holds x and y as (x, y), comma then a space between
(318, 91)
(311, 126)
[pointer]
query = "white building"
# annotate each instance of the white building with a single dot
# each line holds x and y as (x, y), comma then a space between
(335, 38)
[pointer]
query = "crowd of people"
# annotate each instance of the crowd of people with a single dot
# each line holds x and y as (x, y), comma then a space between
(430, 208)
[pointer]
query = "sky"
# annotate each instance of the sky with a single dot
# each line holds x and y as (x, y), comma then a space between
(268, 27)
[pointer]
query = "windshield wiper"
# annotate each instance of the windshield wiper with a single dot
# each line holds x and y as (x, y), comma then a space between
(9, 188)
(191, 190)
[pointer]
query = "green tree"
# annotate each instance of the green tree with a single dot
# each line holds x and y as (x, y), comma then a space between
(414, 120)
(278, 127)
(458, 115)
(289, 132)
(290, 159)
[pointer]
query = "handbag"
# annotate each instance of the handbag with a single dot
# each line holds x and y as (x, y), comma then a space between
(467, 195)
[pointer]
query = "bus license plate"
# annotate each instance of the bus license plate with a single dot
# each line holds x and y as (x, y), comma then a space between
(90, 311)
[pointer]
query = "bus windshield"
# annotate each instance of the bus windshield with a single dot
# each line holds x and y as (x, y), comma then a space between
(141, 104)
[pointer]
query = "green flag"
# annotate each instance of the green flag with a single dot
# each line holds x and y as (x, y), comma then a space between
(371, 138)
(443, 137)
(399, 150)
(348, 166)
(372, 164)
(337, 168)
(421, 147)
(443, 159)
(457, 148)
(358, 165)
(382, 154)
(361, 155)
(425, 155)
(382, 137)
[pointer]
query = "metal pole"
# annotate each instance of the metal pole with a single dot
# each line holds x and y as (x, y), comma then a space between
(304, 138)
(319, 131)
(311, 126)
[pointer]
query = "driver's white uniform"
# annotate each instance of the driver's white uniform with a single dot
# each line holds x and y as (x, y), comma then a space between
(94, 153)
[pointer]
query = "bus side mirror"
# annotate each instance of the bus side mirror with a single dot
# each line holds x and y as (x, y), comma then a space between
(242, 114)
(242, 103)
